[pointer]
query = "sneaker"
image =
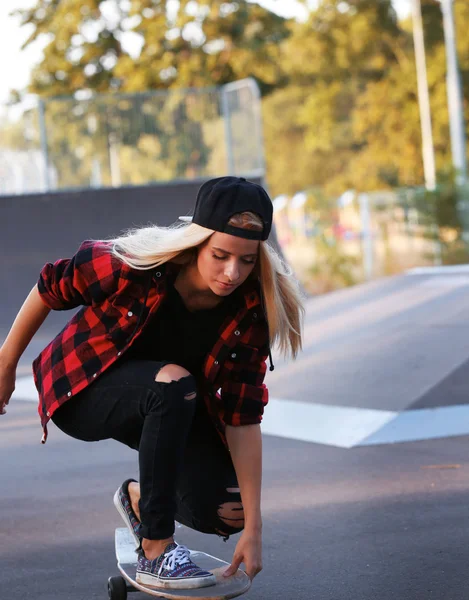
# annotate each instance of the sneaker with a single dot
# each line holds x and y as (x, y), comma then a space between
(124, 508)
(173, 569)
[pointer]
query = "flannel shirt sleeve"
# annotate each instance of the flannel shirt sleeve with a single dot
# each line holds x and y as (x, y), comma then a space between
(244, 397)
(89, 277)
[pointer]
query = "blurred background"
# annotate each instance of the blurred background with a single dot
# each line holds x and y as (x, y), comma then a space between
(351, 112)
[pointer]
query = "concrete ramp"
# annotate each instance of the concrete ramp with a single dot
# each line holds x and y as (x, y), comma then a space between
(383, 362)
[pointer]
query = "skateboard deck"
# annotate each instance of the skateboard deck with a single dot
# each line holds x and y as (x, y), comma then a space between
(225, 588)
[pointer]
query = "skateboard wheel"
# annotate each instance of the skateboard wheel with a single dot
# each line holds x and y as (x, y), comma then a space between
(117, 588)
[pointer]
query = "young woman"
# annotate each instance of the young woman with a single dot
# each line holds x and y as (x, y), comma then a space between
(168, 355)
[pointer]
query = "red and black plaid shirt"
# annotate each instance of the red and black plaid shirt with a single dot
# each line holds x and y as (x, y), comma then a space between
(117, 304)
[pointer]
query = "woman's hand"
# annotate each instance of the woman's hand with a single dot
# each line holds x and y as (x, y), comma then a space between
(7, 383)
(248, 551)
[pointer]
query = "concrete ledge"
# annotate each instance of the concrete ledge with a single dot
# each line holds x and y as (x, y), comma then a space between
(445, 270)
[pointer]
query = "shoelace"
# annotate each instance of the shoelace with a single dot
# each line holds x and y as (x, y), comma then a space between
(178, 556)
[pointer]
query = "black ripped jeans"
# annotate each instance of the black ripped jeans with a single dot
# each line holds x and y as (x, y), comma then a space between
(185, 470)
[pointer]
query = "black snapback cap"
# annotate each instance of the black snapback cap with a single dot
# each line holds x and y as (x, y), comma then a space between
(221, 198)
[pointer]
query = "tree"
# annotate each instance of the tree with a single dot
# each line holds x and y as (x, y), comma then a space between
(351, 98)
(139, 45)
(330, 61)
(83, 46)
(144, 45)
(339, 90)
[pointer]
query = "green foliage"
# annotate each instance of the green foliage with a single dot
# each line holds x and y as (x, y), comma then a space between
(333, 263)
(445, 214)
(153, 137)
(82, 46)
(144, 45)
(339, 90)
(350, 116)
(333, 268)
(139, 45)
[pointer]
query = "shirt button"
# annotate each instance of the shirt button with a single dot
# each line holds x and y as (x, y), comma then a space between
(237, 332)
(48, 413)
(233, 355)
(216, 362)
(254, 316)
(69, 394)
(157, 274)
(119, 353)
(130, 314)
(95, 375)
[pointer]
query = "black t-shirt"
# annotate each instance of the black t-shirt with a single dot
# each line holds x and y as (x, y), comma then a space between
(181, 336)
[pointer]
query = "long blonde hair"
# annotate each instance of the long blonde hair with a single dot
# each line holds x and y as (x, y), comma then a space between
(149, 247)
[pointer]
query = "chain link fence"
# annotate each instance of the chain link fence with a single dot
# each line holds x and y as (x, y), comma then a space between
(336, 242)
(113, 140)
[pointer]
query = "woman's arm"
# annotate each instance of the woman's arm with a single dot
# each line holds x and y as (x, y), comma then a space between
(89, 277)
(245, 445)
(31, 316)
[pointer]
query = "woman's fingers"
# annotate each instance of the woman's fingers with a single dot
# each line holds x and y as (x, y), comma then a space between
(7, 387)
(235, 563)
(253, 570)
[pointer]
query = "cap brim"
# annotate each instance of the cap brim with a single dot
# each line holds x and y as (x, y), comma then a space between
(186, 219)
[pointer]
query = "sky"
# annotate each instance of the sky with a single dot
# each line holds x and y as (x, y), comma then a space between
(16, 64)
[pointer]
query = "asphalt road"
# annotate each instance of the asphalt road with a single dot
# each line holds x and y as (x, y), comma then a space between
(367, 523)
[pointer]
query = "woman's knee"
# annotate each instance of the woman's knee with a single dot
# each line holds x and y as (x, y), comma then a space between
(231, 517)
(172, 373)
(174, 387)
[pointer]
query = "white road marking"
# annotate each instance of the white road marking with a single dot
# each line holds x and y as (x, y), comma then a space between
(448, 281)
(25, 389)
(339, 426)
(444, 270)
(424, 423)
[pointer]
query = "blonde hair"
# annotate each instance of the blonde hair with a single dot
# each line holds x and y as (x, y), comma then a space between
(149, 247)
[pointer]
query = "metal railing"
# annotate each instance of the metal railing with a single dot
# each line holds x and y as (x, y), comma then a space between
(363, 236)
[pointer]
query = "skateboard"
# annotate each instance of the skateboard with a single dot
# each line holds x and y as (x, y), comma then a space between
(225, 588)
